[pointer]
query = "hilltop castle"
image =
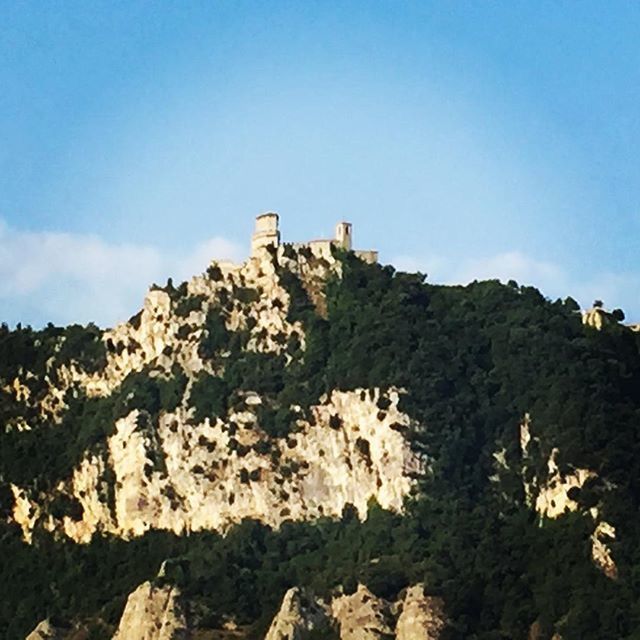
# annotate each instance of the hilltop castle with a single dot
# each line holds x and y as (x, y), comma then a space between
(267, 234)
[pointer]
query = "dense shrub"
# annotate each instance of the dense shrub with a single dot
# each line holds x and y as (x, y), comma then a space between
(209, 397)
(83, 345)
(217, 338)
(184, 306)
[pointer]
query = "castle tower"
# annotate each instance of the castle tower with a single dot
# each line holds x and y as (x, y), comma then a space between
(344, 235)
(266, 232)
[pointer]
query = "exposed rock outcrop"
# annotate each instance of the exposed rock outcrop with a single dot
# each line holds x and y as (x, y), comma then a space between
(596, 318)
(347, 452)
(422, 617)
(155, 613)
(299, 614)
(152, 613)
(25, 511)
(45, 631)
(183, 476)
(363, 616)
(599, 318)
(600, 551)
(553, 499)
(168, 330)
(360, 616)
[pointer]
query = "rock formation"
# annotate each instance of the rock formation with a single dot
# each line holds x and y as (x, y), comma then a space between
(553, 497)
(152, 613)
(422, 617)
(347, 451)
(45, 631)
(363, 616)
(170, 326)
(299, 614)
(600, 551)
(350, 453)
(555, 494)
(360, 616)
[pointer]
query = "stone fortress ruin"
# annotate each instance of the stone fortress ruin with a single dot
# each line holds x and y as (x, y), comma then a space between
(267, 234)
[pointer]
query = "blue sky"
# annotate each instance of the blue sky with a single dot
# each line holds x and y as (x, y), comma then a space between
(464, 139)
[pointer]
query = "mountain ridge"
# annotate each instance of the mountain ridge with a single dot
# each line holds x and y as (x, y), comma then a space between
(373, 408)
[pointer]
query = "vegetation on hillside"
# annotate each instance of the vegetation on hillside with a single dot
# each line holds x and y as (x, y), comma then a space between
(473, 361)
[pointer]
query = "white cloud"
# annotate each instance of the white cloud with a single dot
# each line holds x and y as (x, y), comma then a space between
(512, 265)
(64, 277)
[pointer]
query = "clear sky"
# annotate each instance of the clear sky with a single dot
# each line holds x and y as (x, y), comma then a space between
(464, 139)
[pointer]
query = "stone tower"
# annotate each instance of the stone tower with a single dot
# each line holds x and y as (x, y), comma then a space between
(266, 232)
(344, 235)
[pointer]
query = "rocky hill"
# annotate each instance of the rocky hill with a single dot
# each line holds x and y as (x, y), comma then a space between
(308, 445)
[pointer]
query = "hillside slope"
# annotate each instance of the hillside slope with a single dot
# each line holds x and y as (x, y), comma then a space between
(315, 422)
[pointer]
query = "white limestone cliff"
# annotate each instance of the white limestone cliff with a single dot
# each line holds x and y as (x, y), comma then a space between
(597, 318)
(186, 477)
(25, 511)
(553, 501)
(600, 551)
(553, 496)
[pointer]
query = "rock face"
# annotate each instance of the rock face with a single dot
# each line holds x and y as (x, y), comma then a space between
(298, 615)
(553, 499)
(347, 453)
(45, 631)
(422, 617)
(183, 476)
(168, 329)
(155, 613)
(316, 471)
(360, 616)
(600, 551)
(152, 613)
(363, 616)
